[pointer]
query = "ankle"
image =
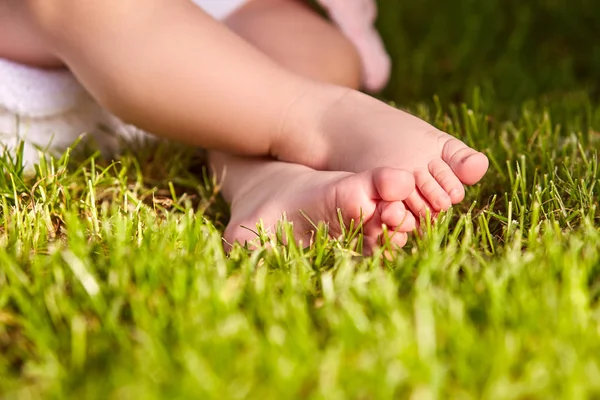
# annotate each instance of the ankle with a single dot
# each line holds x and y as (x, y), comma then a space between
(302, 138)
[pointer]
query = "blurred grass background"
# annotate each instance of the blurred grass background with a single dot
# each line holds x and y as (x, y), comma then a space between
(514, 51)
(113, 282)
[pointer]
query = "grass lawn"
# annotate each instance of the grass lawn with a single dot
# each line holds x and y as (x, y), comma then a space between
(114, 284)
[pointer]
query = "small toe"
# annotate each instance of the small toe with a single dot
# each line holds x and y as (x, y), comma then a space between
(370, 244)
(447, 179)
(396, 217)
(396, 239)
(432, 191)
(418, 205)
(393, 215)
(374, 226)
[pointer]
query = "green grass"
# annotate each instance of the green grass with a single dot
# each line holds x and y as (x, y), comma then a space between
(515, 50)
(114, 284)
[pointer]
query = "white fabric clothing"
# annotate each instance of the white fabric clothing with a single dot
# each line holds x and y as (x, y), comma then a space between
(219, 9)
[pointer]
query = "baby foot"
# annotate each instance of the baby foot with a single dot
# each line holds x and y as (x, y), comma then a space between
(374, 196)
(356, 132)
(355, 19)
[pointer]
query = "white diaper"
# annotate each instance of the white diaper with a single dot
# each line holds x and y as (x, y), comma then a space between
(49, 109)
(219, 9)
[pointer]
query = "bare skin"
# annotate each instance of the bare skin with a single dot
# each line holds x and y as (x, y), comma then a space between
(306, 195)
(263, 189)
(20, 43)
(278, 111)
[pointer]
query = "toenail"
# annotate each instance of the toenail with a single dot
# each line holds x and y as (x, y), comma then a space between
(464, 160)
(471, 156)
(454, 193)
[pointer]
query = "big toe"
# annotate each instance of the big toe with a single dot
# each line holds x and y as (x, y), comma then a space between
(472, 168)
(392, 184)
(360, 196)
(468, 164)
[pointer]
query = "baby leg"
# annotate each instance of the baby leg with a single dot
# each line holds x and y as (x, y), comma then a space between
(295, 37)
(317, 194)
(211, 73)
(20, 42)
(370, 133)
(169, 68)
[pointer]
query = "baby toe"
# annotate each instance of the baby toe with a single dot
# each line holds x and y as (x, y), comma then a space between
(395, 216)
(447, 179)
(418, 205)
(396, 239)
(468, 164)
(472, 168)
(432, 191)
(393, 184)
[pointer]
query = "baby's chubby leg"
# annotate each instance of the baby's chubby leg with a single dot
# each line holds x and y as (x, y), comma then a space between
(167, 67)
(261, 188)
(297, 38)
(19, 42)
(290, 33)
(369, 131)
